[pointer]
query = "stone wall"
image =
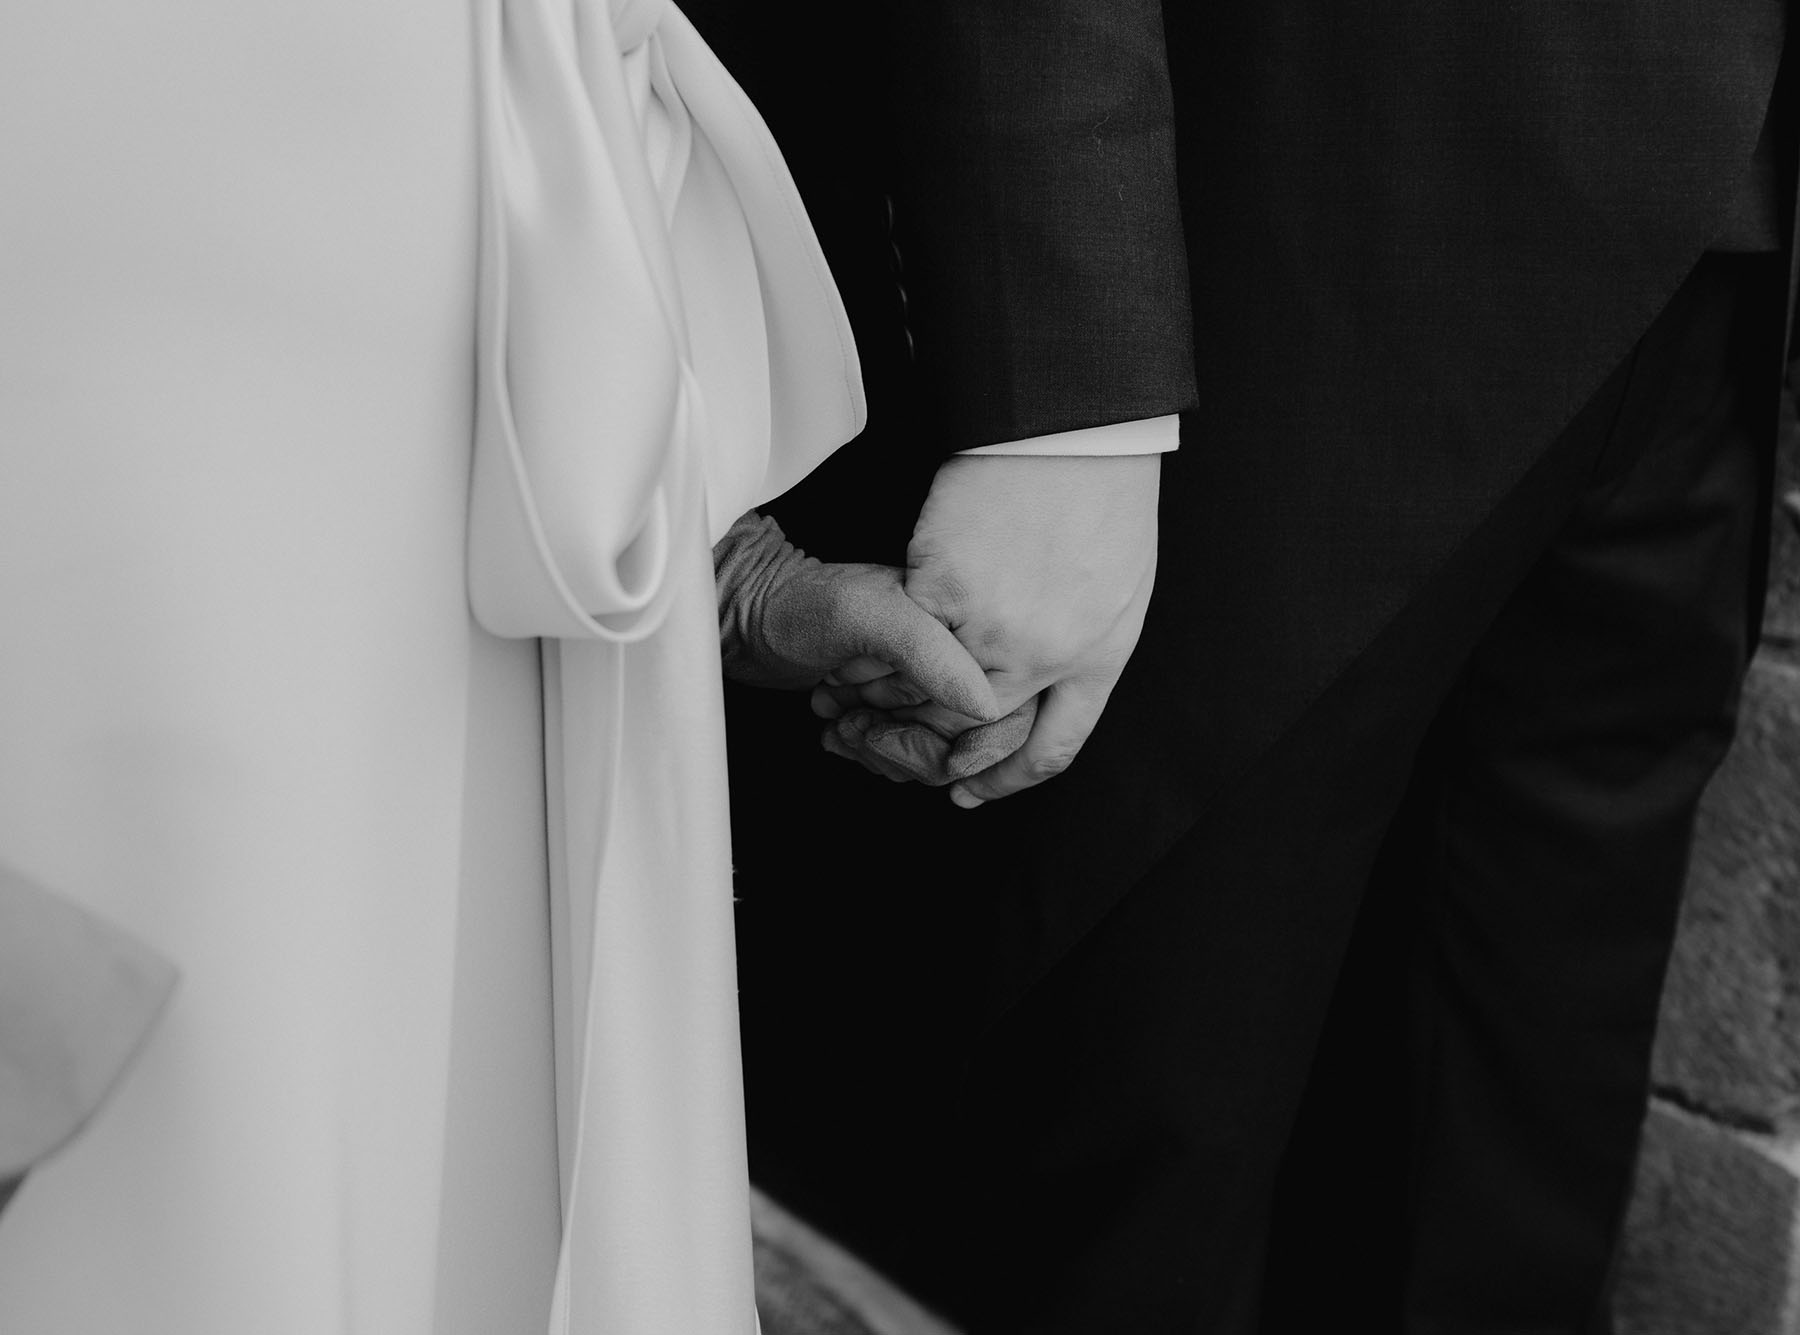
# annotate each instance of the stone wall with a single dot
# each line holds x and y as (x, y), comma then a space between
(1713, 1238)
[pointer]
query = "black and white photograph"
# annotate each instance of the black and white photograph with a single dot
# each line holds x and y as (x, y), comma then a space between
(942, 667)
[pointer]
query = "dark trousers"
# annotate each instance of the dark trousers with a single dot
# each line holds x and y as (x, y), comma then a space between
(1518, 756)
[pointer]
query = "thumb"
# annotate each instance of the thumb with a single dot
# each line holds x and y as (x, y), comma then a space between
(983, 747)
(923, 754)
(897, 630)
(1066, 715)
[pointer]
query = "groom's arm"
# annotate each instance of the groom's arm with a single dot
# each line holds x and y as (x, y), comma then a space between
(1035, 215)
(1046, 282)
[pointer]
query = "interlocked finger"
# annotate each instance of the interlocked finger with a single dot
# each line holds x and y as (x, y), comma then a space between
(892, 691)
(1068, 715)
(860, 669)
(925, 755)
(845, 739)
(910, 749)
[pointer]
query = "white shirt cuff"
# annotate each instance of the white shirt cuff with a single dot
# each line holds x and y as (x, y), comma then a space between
(1150, 435)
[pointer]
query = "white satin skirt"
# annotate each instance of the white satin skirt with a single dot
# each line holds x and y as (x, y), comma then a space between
(246, 714)
(244, 711)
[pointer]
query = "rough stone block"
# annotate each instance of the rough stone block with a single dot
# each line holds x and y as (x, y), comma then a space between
(806, 1284)
(1781, 623)
(1710, 1244)
(1729, 1041)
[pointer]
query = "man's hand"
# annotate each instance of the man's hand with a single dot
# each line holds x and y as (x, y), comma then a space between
(1042, 566)
(787, 620)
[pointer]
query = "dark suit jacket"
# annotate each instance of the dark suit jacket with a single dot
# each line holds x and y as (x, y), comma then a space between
(1377, 254)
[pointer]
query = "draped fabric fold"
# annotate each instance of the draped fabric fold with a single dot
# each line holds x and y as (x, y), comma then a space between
(661, 347)
(78, 997)
(644, 251)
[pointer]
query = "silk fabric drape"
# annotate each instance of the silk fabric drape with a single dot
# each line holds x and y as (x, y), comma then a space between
(645, 264)
(244, 710)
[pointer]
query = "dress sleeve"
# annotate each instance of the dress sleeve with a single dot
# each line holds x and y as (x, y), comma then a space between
(1036, 220)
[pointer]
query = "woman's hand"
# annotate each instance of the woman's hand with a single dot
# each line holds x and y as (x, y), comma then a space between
(789, 621)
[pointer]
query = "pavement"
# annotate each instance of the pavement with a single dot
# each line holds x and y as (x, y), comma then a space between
(808, 1285)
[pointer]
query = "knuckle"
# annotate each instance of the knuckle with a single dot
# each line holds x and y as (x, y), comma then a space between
(904, 694)
(1048, 764)
(942, 592)
(1050, 650)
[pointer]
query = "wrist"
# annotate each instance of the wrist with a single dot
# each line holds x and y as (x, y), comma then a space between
(749, 564)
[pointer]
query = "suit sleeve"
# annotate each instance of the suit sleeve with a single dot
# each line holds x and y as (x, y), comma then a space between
(1035, 215)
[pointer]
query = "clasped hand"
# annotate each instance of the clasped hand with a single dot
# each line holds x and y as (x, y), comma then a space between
(787, 620)
(986, 664)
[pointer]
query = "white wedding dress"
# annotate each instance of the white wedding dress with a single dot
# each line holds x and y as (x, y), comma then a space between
(323, 323)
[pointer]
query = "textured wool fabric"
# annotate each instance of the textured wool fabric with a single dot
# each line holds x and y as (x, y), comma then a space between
(1104, 1146)
(1418, 239)
(1415, 240)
